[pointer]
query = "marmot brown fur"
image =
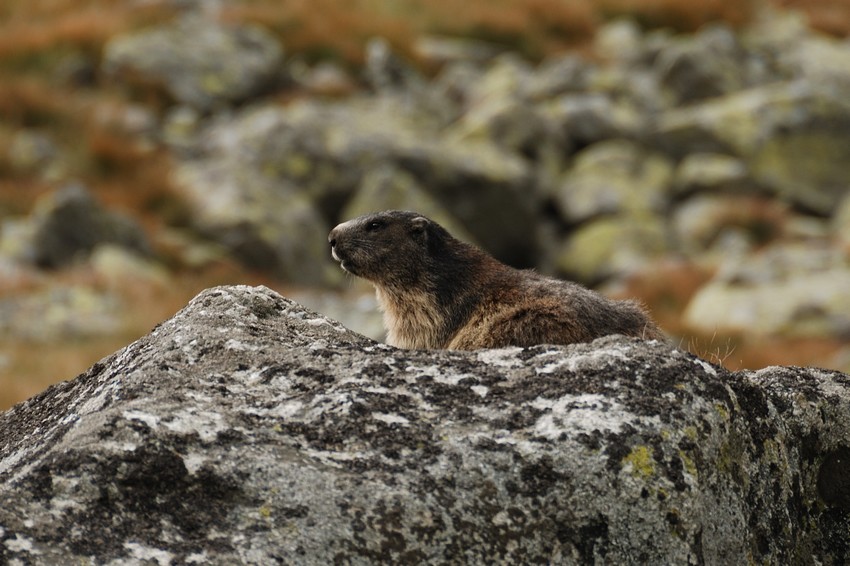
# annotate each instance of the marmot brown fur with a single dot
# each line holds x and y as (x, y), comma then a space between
(438, 292)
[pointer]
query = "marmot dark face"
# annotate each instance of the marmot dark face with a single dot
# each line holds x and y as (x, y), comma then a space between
(387, 248)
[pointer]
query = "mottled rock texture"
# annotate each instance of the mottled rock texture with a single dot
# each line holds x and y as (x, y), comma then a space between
(248, 429)
(198, 62)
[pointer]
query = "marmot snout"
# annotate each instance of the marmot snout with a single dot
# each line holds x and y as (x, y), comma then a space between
(438, 292)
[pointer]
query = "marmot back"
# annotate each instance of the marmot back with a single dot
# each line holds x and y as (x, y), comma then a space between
(438, 292)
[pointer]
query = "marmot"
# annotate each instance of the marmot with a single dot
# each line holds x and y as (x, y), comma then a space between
(437, 292)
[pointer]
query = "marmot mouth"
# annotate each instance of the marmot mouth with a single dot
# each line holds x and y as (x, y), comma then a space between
(345, 264)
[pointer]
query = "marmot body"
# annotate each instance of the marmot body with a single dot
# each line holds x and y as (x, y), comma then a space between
(438, 292)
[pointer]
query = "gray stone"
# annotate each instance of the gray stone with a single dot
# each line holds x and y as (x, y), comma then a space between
(518, 127)
(706, 65)
(794, 138)
(119, 267)
(66, 226)
(199, 62)
(356, 307)
(557, 76)
(705, 221)
(587, 118)
(506, 77)
(615, 176)
(619, 40)
(713, 172)
(61, 313)
(793, 290)
(391, 188)
(792, 50)
(386, 70)
(613, 246)
(32, 151)
(323, 151)
(443, 50)
(264, 222)
(324, 79)
(841, 223)
(248, 429)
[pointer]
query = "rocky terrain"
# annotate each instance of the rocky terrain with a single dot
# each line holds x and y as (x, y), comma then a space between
(248, 429)
(706, 173)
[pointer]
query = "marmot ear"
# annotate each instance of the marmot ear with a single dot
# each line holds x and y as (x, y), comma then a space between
(418, 225)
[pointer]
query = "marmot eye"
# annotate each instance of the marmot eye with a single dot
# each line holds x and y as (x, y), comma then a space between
(374, 225)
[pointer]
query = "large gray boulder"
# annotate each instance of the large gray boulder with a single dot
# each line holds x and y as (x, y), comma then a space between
(248, 429)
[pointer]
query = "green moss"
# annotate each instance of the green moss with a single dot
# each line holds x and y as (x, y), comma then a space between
(640, 459)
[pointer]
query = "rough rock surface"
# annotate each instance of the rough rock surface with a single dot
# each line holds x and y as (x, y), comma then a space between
(247, 429)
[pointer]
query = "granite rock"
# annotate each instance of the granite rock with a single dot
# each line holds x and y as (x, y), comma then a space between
(248, 429)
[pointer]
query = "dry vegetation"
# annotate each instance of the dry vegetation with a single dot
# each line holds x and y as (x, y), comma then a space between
(50, 82)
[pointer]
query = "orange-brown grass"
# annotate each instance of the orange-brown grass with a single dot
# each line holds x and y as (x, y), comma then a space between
(324, 29)
(31, 102)
(830, 16)
(736, 352)
(32, 26)
(535, 28)
(682, 15)
(666, 288)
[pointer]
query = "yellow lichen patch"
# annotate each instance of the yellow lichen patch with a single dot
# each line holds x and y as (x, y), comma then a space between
(722, 411)
(641, 462)
(688, 464)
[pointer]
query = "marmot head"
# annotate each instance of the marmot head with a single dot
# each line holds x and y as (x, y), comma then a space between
(388, 248)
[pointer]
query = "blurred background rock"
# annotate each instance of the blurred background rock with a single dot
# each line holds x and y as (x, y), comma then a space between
(695, 154)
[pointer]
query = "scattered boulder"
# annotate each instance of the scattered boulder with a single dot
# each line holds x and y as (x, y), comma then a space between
(392, 188)
(793, 137)
(558, 76)
(264, 222)
(587, 118)
(32, 151)
(68, 224)
(714, 221)
(615, 176)
(613, 246)
(249, 429)
(60, 313)
(714, 173)
(786, 290)
(841, 223)
(322, 151)
(708, 64)
(197, 61)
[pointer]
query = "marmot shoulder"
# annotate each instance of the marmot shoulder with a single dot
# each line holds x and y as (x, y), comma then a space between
(438, 292)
